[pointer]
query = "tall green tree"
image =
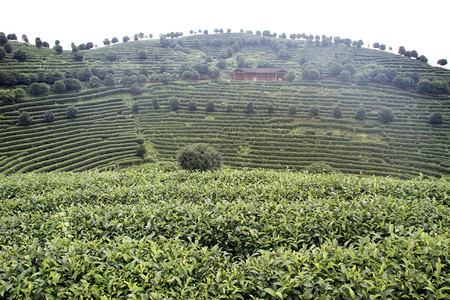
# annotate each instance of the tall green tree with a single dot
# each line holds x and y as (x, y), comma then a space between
(38, 42)
(3, 39)
(442, 62)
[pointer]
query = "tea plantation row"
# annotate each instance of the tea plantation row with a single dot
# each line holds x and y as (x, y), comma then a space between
(229, 234)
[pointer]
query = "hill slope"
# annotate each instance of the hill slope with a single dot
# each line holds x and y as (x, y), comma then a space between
(112, 120)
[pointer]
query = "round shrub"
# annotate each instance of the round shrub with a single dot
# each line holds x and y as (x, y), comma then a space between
(292, 109)
(192, 106)
(314, 110)
(135, 107)
(250, 108)
(49, 116)
(39, 89)
(155, 104)
(7, 97)
(290, 76)
(135, 89)
(73, 84)
(59, 87)
(436, 118)
(345, 76)
(385, 115)
(71, 112)
(337, 112)
(311, 74)
(360, 114)
(174, 104)
(142, 54)
(25, 119)
(210, 107)
(270, 108)
(19, 94)
(109, 81)
(95, 82)
(141, 150)
(201, 157)
(403, 82)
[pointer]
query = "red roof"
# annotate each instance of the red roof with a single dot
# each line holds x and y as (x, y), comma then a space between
(260, 70)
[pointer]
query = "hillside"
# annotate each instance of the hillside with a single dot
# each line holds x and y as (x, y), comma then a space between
(119, 90)
(229, 234)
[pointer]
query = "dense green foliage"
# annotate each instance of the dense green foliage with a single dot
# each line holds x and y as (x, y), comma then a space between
(228, 234)
(201, 157)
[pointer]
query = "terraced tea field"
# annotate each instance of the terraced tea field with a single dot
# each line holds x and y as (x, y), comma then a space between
(107, 132)
(281, 139)
(230, 234)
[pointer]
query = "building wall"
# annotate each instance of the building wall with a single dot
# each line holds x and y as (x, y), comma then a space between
(257, 76)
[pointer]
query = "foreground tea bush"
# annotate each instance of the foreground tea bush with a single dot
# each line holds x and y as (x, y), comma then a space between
(227, 234)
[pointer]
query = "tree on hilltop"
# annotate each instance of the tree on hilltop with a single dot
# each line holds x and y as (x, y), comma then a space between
(12, 37)
(106, 42)
(442, 62)
(58, 48)
(422, 58)
(125, 38)
(114, 40)
(38, 42)
(3, 39)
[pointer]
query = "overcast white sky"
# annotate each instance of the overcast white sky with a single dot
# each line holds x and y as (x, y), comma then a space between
(418, 25)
